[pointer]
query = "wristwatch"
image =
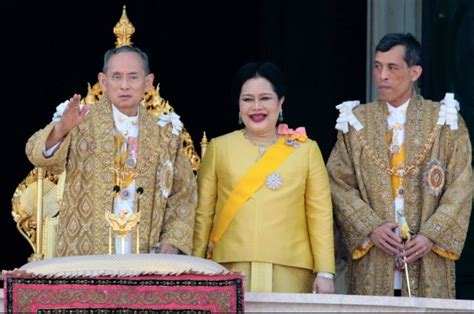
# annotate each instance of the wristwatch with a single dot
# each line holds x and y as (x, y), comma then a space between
(325, 275)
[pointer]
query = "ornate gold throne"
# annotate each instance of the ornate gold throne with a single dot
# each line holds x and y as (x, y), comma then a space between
(37, 199)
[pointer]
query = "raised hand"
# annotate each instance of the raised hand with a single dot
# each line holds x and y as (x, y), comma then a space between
(72, 116)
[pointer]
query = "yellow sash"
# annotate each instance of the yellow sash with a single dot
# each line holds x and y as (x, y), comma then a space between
(247, 185)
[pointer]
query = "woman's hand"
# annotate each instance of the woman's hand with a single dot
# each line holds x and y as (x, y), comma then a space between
(323, 285)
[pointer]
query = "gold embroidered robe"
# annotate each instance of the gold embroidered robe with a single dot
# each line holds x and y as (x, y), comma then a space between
(87, 153)
(362, 197)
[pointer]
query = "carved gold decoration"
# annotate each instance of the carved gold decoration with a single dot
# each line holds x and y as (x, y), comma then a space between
(188, 149)
(124, 30)
(24, 207)
(154, 103)
(93, 94)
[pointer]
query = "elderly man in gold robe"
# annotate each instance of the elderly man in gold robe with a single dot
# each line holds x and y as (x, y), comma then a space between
(118, 158)
(400, 174)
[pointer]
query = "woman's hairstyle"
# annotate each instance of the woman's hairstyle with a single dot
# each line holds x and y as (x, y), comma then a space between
(267, 70)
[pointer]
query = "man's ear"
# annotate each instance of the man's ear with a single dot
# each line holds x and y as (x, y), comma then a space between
(102, 78)
(149, 81)
(416, 71)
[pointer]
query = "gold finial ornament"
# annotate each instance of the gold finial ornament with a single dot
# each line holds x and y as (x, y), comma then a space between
(124, 30)
(204, 143)
(154, 103)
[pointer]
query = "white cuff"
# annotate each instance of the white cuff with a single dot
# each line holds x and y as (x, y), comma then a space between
(49, 152)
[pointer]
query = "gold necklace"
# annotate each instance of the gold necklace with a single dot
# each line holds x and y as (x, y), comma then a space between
(400, 172)
(262, 147)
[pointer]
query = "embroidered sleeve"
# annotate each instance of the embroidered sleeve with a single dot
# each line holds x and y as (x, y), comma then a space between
(356, 218)
(447, 227)
(181, 204)
(35, 151)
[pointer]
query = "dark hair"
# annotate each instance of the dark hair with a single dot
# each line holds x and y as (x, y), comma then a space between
(267, 70)
(114, 51)
(412, 46)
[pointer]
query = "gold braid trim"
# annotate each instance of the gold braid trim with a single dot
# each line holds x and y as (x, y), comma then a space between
(407, 170)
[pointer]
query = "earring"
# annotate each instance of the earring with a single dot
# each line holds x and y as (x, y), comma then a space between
(280, 116)
(240, 120)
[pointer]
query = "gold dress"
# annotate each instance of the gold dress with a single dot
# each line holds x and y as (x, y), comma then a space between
(87, 154)
(286, 229)
(437, 196)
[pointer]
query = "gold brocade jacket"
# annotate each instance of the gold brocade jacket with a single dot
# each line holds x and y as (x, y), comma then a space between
(437, 197)
(87, 154)
(291, 226)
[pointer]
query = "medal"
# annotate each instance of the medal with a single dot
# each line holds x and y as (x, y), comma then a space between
(274, 181)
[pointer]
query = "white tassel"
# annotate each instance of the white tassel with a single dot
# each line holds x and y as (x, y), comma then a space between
(347, 117)
(448, 112)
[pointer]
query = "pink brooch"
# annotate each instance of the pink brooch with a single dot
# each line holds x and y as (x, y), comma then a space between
(292, 136)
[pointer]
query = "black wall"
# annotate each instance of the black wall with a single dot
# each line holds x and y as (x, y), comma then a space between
(52, 51)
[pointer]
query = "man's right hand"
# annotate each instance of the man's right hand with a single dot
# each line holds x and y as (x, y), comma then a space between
(385, 238)
(72, 116)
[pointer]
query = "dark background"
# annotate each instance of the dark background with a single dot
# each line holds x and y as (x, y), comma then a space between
(195, 47)
(448, 49)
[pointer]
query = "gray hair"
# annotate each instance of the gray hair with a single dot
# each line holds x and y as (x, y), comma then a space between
(114, 51)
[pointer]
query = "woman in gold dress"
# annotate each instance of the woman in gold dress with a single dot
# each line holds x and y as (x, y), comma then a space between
(264, 199)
